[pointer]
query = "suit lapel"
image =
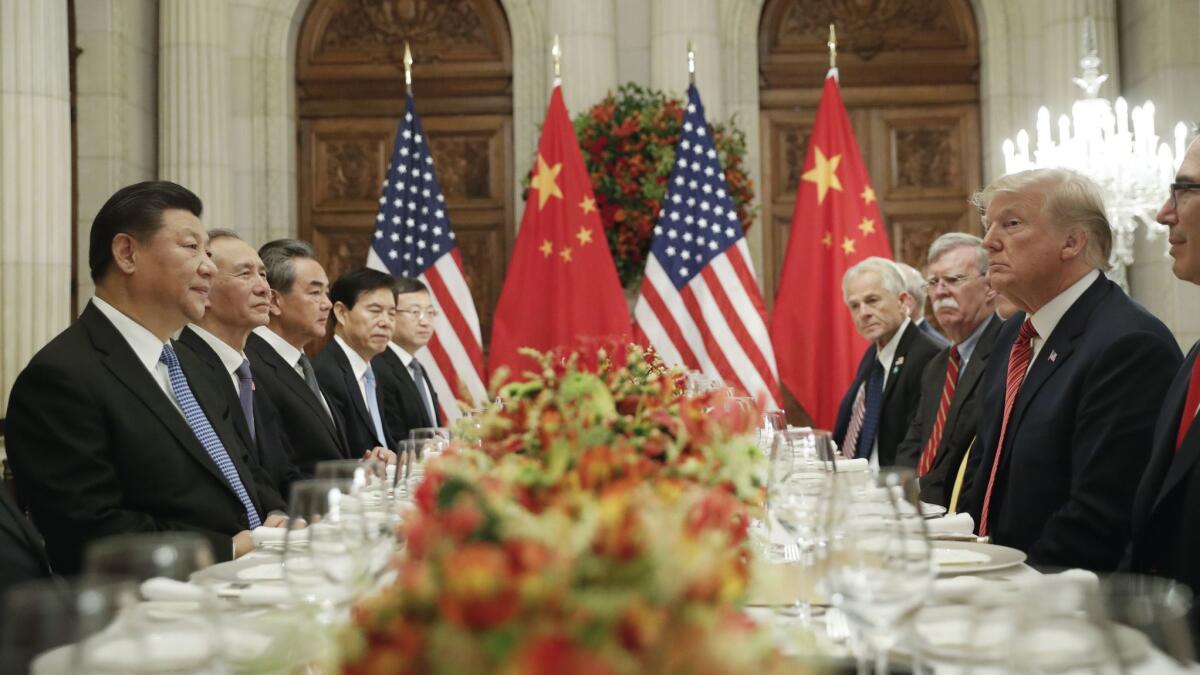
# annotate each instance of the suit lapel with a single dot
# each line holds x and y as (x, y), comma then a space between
(898, 360)
(1179, 462)
(213, 361)
(410, 385)
(285, 373)
(351, 384)
(970, 376)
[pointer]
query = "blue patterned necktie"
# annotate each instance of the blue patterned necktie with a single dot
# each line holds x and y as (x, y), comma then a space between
(246, 395)
(204, 432)
(874, 410)
(418, 374)
(373, 405)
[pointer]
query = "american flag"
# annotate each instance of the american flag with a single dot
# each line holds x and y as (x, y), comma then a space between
(413, 239)
(700, 306)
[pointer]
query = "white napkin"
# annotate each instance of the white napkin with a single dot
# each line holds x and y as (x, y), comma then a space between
(275, 535)
(853, 465)
(162, 588)
(265, 594)
(956, 589)
(959, 523)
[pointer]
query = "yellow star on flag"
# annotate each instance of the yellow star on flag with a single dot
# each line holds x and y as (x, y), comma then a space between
(827, 240)
(847, 245)
(546, 181)
(588, 205)
(824, 174)
(584, 235)
(867, 226)
(565, 254)
(546, 248)
(868, 194)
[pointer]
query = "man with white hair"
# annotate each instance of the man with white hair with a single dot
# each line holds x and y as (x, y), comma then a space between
(879, 405)
(942, 433)
(1070, 400)
(914, 283)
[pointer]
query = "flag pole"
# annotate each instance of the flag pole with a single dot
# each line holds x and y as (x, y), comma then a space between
(691, 56)
(408, 61)
(556, 52)
(832, 44)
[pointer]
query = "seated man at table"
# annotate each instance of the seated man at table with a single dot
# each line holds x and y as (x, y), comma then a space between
(1075, 383)
(408, 396)
(104, 433)
(879, 405)
(914, 283)
(943, 430)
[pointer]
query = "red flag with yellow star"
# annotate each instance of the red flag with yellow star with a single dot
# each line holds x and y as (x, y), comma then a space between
(561, 291)
(836, 223)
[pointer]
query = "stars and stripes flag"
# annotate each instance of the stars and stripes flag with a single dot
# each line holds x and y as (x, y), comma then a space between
(700, 306)
(413, 239)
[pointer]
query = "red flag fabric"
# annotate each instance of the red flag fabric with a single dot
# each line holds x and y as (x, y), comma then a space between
(561, 291)
(835, 224)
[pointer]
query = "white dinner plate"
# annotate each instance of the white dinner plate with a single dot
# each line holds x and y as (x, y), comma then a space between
(968, 557)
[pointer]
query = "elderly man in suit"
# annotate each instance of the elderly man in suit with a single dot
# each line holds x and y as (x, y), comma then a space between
(409, 399)
(1166, 510)
(879, 405)
(1075, 383)
(104, 431)
(943, 430)
(914, 283)
(364, 315)
(240, 301)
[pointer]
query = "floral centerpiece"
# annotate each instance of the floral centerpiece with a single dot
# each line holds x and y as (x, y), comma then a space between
(596, 524)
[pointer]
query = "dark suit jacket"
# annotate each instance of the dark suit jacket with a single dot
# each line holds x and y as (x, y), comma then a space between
(1080, 433)
(97, 448)
(269, 446)
(22, 554)
(901, 394)
(341, 389)
(313, 435)
(401, 401)
(962, 420)
(1166, 510)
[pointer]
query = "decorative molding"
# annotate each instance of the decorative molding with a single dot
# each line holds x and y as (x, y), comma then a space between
(924, 157)
(868, 27)
(459, 169)
(433, 27)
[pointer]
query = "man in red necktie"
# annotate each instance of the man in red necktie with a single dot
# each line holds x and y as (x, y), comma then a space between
(1166, 512)
(1070, 399)
(944, 427)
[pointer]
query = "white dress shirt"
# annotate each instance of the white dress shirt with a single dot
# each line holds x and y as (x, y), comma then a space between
(1046, 319)
(885, 357)
(359, 368)
(289, 354)
(230, 357)
(146, 346)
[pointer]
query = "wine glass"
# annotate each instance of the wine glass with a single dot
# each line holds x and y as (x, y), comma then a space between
(321, 562)
(772, 422)
(143, 556)
(1059, 625)
(1156, 607)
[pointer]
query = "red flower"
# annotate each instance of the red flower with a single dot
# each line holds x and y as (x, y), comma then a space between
(479, 590)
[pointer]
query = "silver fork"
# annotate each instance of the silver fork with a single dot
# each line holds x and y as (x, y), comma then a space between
(837, 628)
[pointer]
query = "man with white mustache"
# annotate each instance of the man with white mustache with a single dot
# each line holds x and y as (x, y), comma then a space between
(939, 439)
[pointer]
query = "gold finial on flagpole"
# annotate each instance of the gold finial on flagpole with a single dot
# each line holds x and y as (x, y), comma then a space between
(691, 62)
(832, 44)
(408, 61)
(556, 52)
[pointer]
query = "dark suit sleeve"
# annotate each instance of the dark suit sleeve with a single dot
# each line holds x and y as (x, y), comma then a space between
(1114, 419)
(72, 487)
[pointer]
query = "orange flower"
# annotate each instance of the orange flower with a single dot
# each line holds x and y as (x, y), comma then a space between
(478, 591)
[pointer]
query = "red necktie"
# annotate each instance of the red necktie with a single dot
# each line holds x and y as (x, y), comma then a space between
(1189, 408)
(1018, 363)
(935, 439)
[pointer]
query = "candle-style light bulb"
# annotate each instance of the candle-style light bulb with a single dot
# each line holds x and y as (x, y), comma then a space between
(1121, 110)
(1180, 139)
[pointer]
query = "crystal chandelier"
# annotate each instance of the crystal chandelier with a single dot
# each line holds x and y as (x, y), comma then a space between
(1112, 145)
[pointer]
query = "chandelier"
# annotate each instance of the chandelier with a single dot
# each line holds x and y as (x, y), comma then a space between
(1115, 146)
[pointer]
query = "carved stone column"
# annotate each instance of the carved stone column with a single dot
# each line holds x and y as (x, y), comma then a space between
(587, 34)
(35, 182)
(194, 107)
(672, 24)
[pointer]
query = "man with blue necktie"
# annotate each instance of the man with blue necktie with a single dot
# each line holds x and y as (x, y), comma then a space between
(364, 314)
(879, 405)
(104, 431)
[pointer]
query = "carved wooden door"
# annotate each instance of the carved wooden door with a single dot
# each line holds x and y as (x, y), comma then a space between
(350, 84)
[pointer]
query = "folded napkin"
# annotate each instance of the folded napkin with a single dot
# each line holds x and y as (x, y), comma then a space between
(265, 594)
(853, 465)
(275, 535)
(959, 523)
(162, 588)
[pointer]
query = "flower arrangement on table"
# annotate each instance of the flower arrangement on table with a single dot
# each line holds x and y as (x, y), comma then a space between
(598, 525)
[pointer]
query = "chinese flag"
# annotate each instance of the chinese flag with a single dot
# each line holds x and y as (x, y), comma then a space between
(561, 291)
(836, 223)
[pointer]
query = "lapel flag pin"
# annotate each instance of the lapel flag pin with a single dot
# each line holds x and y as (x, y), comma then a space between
(1053, 356)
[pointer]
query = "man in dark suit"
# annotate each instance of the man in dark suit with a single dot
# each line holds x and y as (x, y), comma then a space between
(104, 431)
(364, 314)
(240, 301)
(22, 554)
(1070, 397)
(943, 430)
(880, 403)
(409, 400)
(1166, 510)
(914, 283)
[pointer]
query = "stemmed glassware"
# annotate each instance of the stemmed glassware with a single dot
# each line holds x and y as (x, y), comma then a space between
(323, 561)
(771, 423)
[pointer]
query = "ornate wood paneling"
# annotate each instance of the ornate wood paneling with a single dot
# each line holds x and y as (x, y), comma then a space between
(351, 98)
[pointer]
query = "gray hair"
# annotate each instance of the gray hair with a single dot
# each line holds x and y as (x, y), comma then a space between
(1072, 199)
(952, 240)
(222, 233)
(889, 274)
(278, 255)
(914, 283)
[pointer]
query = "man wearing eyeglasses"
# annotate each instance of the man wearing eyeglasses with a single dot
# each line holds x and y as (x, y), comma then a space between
(409, 399)
(942, 432)
(1070, 397)
(1166, 511)
(917, 296)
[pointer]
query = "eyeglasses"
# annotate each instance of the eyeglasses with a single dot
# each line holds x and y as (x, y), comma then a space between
(418, 314)
(953, 281)
(1176, 188)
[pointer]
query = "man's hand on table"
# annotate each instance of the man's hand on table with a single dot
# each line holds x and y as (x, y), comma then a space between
(382, 454)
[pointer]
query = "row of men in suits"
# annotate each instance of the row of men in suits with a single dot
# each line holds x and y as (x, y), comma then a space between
(182, 398)
(1066, 430)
